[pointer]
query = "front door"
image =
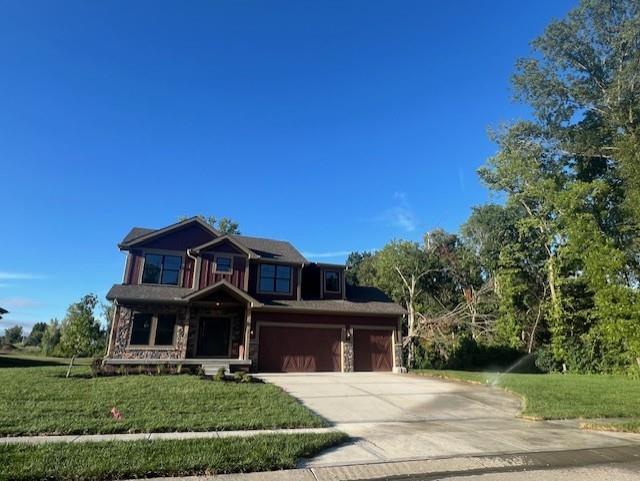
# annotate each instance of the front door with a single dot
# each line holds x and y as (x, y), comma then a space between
(213, 338)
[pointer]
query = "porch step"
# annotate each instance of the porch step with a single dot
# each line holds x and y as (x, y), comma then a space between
(211, 367)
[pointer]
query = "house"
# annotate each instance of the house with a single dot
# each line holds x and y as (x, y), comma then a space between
(193, 295)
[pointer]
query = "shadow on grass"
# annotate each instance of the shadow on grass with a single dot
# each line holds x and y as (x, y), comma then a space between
(11, 361)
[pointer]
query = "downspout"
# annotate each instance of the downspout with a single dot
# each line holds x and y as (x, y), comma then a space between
(196, 270)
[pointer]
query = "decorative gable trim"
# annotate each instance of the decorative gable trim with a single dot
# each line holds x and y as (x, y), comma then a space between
(228, 287)
(225, 238)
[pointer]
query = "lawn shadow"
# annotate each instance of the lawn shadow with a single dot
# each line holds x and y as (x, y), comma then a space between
(13, 361)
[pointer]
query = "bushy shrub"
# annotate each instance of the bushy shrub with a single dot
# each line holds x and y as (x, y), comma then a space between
(466, 353)
(545, 361)
(96, 366)
(220, 374)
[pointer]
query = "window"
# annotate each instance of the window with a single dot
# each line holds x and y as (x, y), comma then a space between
(164, 329)
(275, 279)
(331, 281)
(152, 330)
(141, 329)
(160, 269)
(223, 264)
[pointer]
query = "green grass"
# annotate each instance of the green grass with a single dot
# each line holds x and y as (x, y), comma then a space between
(39, 400)
(122, 460)
(563, 396)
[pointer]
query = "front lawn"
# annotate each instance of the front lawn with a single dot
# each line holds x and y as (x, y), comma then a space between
(123, 460)
(39, 400)
(563, 396)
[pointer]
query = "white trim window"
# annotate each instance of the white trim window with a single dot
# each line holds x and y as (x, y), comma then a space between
(332, 281)
(161, 269)
(274, 279)
(224, 264)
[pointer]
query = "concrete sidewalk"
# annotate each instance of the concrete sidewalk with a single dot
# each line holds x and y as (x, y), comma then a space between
(95, 438)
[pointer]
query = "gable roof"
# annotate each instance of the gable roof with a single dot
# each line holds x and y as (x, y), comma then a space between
(141, 234)
(224, 238)
(227, 287)
(267, 249)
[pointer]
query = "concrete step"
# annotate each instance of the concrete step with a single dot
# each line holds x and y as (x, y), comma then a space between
(211, 367)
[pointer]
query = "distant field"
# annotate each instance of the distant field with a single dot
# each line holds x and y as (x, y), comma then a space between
(563, 396)
(39, 400)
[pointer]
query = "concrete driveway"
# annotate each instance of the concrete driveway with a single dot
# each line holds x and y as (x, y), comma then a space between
(396, 417)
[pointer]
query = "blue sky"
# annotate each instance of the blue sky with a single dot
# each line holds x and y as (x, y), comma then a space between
(337, 125)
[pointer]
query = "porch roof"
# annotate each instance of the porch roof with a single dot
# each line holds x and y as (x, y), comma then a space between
(175, 295)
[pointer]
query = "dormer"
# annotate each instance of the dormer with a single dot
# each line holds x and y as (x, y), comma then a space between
(323, 281)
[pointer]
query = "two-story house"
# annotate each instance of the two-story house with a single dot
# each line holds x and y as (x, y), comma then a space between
(193, 295)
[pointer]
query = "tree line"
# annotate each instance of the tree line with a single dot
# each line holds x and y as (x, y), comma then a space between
(554, 268)
(80, 333)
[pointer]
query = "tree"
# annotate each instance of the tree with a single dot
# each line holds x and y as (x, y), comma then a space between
(13, 335)
(360, 269)
(50, 337)
(226, 225)
(572, 173)
(400, 268)
(80, 332)
(35, 336)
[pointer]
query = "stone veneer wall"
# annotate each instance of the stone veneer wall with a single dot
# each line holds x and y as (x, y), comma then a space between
(397, 362)
(347, 350)
(121, 349)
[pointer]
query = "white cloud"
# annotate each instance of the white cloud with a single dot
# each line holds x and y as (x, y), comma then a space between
(19, 303)
(19, 276)
(401, 215)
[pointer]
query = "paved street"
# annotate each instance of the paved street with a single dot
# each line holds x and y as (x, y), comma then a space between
(394, 417)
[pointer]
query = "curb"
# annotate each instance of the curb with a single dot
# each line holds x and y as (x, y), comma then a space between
(436, 468)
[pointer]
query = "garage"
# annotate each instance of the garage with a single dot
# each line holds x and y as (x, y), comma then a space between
(372, 349)
(299, 349)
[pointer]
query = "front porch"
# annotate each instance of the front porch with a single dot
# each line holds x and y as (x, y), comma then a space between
(211, 328)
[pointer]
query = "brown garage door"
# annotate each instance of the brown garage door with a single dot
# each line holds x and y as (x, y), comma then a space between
(372, 350)
(299, 349)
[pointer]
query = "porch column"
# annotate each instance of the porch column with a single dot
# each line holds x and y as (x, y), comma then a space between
(185, 334)
(247, 331)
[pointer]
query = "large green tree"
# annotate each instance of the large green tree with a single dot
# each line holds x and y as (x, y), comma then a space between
(573, 173)
(80, 332)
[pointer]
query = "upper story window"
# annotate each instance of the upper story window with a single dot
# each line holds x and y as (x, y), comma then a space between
(224, 264)
(161, 269)
(331, 281)
(274, 278)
